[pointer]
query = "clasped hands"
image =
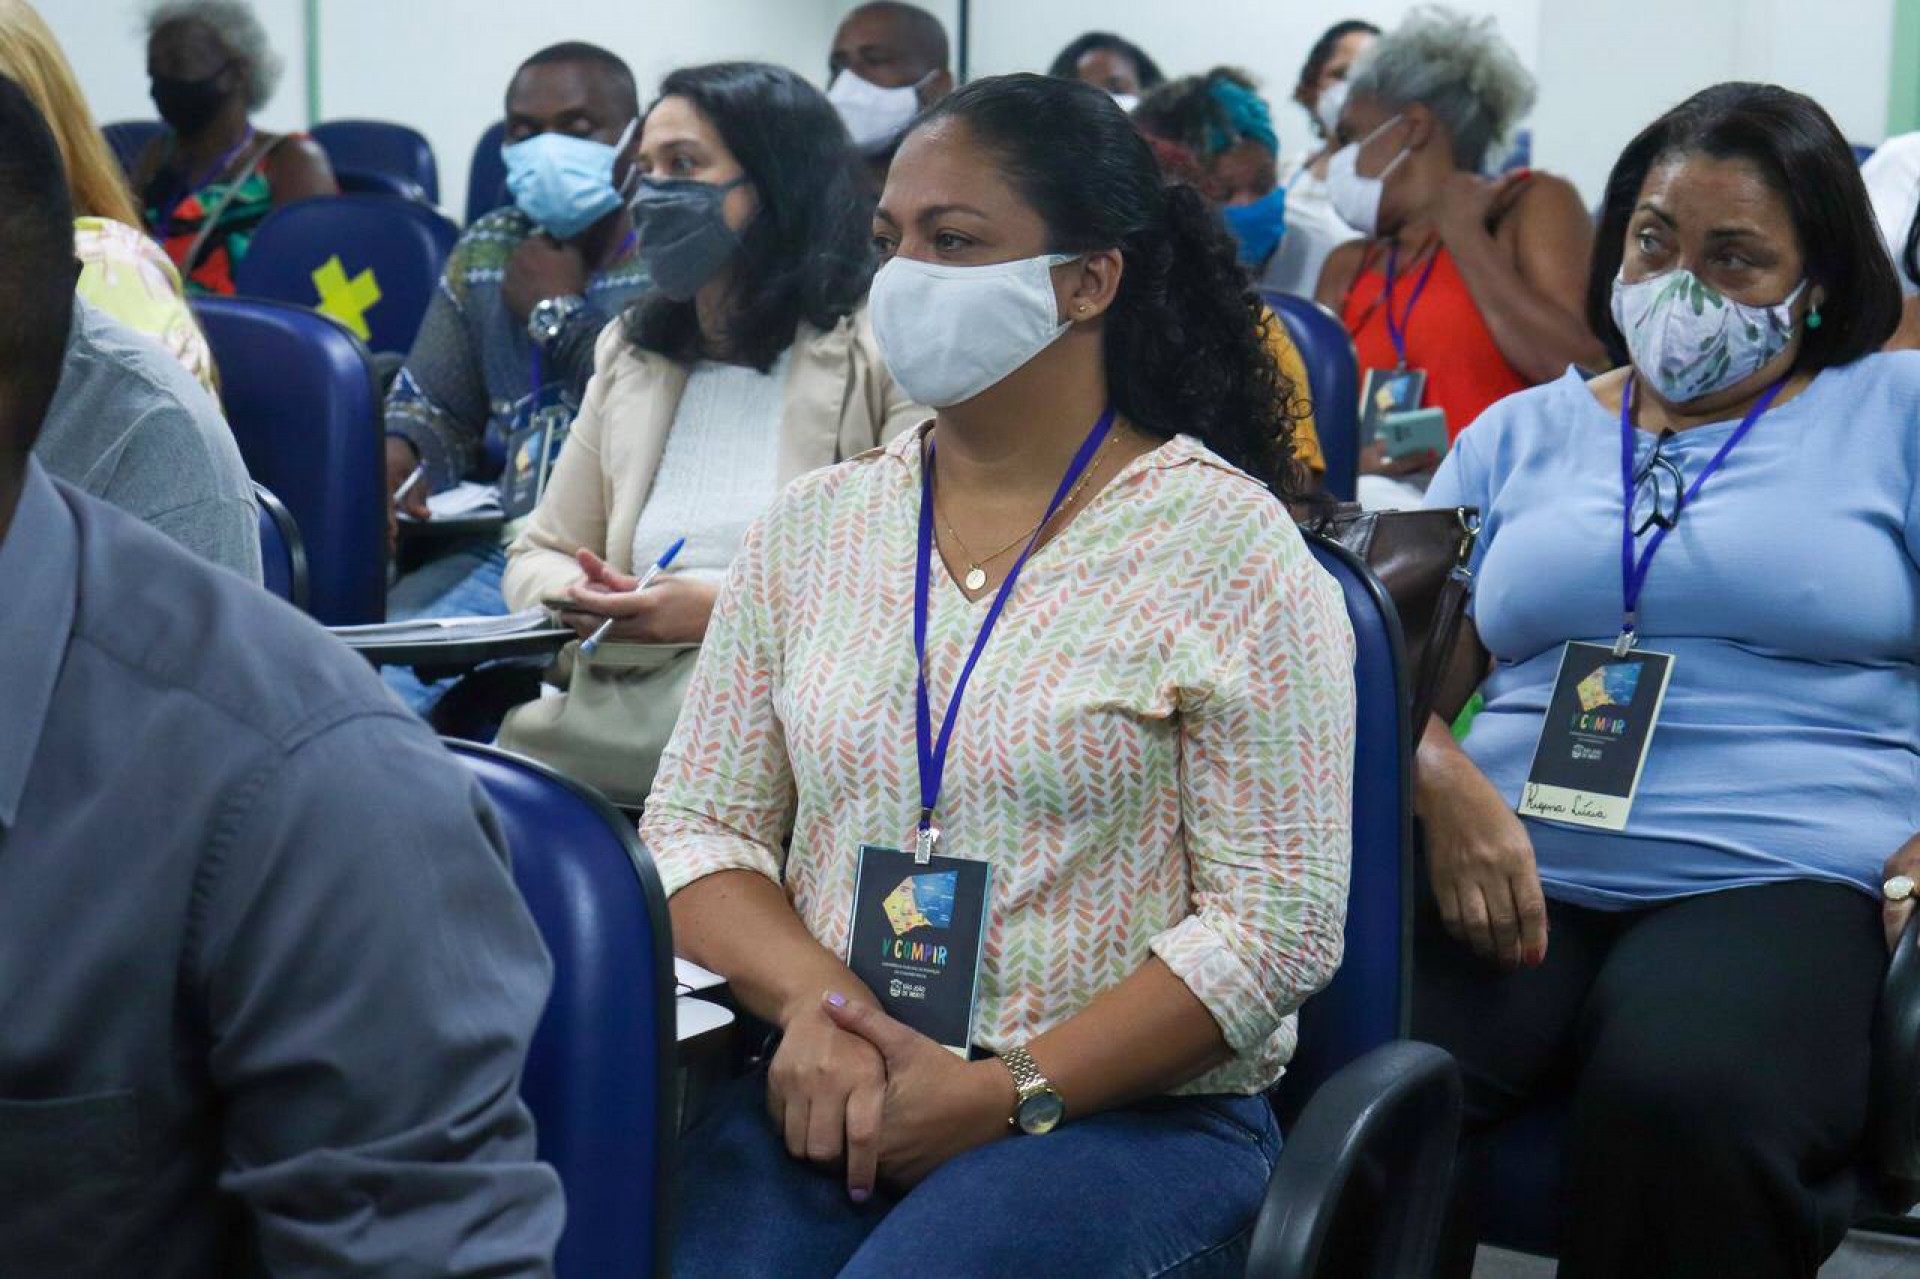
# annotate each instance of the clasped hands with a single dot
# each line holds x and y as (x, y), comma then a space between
(852, 1088)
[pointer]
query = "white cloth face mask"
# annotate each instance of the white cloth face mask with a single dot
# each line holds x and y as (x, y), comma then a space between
(875, 117)
(1356, 199)
(1126, 101)
(948, 333)
(1333, 100)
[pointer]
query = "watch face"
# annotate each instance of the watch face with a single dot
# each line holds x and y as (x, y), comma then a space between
(1041, 1113)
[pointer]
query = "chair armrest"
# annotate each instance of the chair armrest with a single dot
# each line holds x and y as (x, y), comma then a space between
(1896, 1061)
(1386, 1125)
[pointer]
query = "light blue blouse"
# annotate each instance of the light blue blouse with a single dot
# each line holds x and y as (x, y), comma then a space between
(1789, 595)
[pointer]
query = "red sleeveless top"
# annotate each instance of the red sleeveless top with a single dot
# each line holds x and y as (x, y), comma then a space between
(1445, 336)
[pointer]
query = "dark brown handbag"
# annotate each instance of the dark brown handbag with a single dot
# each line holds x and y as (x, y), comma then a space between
(1421, 558)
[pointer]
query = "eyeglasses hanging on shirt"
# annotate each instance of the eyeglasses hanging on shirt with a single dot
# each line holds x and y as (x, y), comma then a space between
(1659, 489)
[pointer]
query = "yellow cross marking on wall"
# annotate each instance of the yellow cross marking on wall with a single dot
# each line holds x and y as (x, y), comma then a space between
(346, 300)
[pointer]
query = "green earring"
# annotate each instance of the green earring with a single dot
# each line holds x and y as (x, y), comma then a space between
(1813, 318)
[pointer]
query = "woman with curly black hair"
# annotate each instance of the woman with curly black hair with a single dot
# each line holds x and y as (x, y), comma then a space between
(1059, 963)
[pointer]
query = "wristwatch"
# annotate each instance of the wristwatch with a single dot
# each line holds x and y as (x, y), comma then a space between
(549, 316)
(1039, 1109)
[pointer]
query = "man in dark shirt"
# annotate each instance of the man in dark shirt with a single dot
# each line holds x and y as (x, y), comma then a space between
(265, 983)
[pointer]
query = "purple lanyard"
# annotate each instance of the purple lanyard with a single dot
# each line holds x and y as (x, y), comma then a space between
(1633, 576)
(212, 171)
(933, 756)
(1397, 329)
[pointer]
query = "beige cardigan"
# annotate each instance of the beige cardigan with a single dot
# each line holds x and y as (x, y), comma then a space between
(840, 402)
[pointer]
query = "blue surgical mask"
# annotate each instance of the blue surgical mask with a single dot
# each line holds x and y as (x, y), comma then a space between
(562, 182)
(1258, 226)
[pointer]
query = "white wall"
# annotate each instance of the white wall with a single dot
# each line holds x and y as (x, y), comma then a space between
(1603, 79)
(1605, 69)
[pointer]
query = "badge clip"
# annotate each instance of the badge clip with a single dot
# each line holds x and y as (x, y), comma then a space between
(923, 841)
(1624, 644)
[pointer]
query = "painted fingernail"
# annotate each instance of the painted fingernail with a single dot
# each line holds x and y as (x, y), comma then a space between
(838, 1001)
(860, 1194)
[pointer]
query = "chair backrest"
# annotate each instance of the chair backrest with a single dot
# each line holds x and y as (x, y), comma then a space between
(599, 1077)
(128, 138)
(1367, 1003)
(487, 175)
(370, 261)
(1333, 379)
(380, 146)
(369, 182)
(298, 391)
(283, 556)
(1519, 155)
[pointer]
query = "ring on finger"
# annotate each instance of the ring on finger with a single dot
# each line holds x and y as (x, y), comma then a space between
(1897, 889)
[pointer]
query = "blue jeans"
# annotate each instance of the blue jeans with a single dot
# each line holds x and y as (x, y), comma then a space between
(1166, 1188)
(465, 582)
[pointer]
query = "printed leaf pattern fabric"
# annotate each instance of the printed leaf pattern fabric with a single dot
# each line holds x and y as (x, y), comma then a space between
(1155, 752)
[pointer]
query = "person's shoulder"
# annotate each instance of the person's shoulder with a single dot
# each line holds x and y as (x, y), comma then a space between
(1883, 389)
(240, 667)
(1546, 197)
(112, 359)
(480, 255)
(1898, 156)
(1186, 484)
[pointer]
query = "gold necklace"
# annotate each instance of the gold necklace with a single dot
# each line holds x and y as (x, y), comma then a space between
(976, 574)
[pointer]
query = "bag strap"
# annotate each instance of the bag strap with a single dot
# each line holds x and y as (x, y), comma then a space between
(1444, 630)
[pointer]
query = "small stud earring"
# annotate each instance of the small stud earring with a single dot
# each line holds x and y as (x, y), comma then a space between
(1813, 318)
(1085, 307)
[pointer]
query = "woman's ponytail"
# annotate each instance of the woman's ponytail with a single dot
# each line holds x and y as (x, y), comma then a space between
(1187, 345)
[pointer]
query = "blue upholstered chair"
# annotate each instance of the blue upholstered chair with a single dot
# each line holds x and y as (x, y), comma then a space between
(283, 557)
(368, 182)
(299, 392)
(1363, 1179)
(600, 1074)
(370, 261)
(487, 175)
(381, 147)
(1367, 1003)
(128, 138)
(1333, 379)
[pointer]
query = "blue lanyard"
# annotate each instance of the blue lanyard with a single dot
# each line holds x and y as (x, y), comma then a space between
(1397, 328)
(1633, 575)
(933, 755)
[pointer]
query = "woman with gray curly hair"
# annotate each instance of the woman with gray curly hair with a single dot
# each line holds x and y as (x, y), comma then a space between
(207, 183)
(1466, 288)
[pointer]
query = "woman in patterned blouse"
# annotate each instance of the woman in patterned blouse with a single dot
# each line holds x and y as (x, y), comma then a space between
(1153, 754)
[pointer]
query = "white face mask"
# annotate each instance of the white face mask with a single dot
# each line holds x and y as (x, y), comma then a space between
(1356, 199)
(948, 333)
(1333, 100)
(874, 116)
(1127, 101)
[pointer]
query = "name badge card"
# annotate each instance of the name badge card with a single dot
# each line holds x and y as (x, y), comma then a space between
(916, 939)
(531, 451)
(1599, 724)
(1385, 391)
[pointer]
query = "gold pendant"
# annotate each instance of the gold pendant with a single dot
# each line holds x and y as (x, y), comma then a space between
(976, 578)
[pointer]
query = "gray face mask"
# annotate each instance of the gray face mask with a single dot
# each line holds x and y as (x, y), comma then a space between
(684, 237)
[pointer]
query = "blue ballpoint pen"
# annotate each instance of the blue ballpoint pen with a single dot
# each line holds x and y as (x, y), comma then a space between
(659, 566)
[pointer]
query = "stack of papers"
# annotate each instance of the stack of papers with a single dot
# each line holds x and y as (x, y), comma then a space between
(465, 502)
(444, 629)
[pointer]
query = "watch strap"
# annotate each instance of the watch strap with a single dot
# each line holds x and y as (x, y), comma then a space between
(1027, 1079)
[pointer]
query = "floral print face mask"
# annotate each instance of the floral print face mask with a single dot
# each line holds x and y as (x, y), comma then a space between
(1691, 340)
